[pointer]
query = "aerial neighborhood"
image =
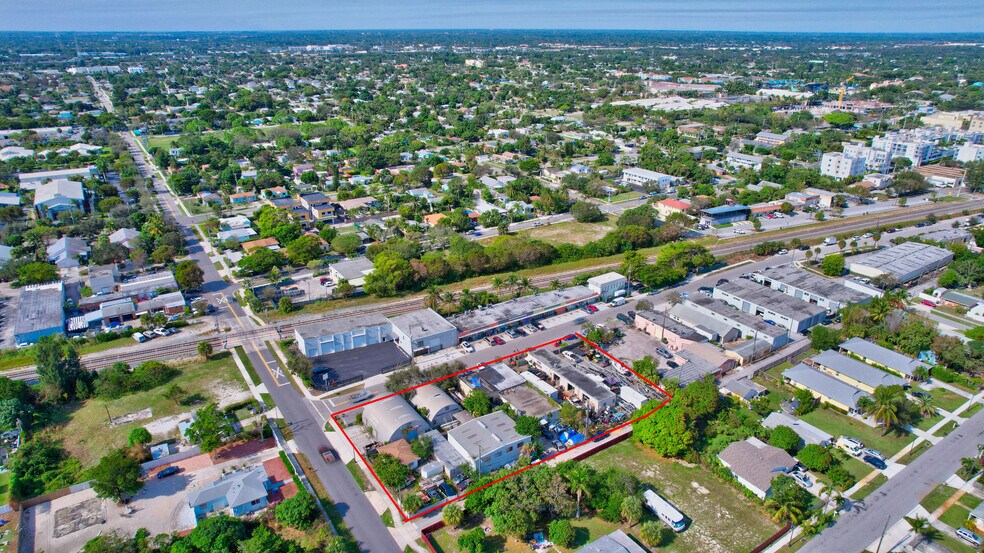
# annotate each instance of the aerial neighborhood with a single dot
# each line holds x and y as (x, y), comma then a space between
(472, 291)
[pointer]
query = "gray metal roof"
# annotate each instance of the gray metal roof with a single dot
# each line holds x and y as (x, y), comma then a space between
(770, 299)
(728, 312)
(852, 368)
(616, 542)
(342, 324)
(435, 400)
(444, 452)
(756, 462)
(810, 434)
(883, 356)
(814, 284)
(422, 323)
(485, 434)
(239, 488)
(390, 416)
(680, 329)
(825, 384)
(905, 259)
(575, 375)
(526, 400)
(40, 307)
(519, 308)
(353, 269)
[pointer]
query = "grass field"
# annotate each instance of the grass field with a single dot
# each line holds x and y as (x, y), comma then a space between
(626, 196)
(947, 400)
(83, 427)
(586, 530)
(971, 411)
(4, 487)
(921, 448)
(937, 497)
(841, 425)
(870, 487)
(946, 429)
(955, 516)
(357, 473)
(571, 232)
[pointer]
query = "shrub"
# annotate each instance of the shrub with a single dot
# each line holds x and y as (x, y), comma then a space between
(816, 457)
(138, 436)
(472, 541)
(785, 438)
(840, 478)
(298, 512)
(561, 532)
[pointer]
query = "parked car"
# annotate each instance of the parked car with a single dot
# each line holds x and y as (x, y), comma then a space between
(160, 331)
(520, 332)
(874, 461)
(874, 453)
(530, 329)
(498, 341)
(783, 251)
(591, 308)
(360, 396)
(467, 347)
(149, 334)
(624, 318)
(969, 537)
(540, 326)
(706, 290)
(801, 478)
(853, 446)
(512, 334)
(169, 471)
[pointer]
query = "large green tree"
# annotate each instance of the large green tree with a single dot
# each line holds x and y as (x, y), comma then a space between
(209, 428)
(189, 275)
(58, 368)
(116, 476)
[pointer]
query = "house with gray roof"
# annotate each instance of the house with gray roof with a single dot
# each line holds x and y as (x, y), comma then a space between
(755, 464)
(860, 375)
(57, 196)
(243, 491)
(616, 542)
(809, 433)
(489, 442)
(66, 252)
(879, 356)
(825, 387)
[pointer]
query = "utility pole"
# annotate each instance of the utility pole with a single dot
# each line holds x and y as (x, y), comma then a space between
(882, 537)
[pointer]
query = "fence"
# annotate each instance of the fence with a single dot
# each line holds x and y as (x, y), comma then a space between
(179, 456)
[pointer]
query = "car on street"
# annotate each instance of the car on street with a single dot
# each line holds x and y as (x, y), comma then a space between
(706, 290)
(783, 251)
(467, 347)
(327, 455)
(360, 396)
(874, 461)
(169, 471)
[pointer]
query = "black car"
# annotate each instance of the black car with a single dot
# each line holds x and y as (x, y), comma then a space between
(875, 462)
(169, 471)
(722, 281)
(624, 318)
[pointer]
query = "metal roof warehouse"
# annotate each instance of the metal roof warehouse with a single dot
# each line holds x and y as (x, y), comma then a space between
(495, 318)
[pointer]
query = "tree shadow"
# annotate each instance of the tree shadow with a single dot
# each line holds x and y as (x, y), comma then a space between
(194, 399)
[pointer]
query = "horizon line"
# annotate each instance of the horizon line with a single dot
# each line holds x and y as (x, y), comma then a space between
(497, 29)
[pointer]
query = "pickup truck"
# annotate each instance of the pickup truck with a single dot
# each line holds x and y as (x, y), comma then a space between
(327, 455)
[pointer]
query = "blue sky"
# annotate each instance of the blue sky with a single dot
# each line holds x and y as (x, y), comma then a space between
(725, 15)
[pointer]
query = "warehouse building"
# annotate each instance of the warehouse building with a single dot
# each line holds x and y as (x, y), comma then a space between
(343, 334)
(907, 261)
(879, 356)
(493, 319)
(423, 331)
(674, 334)
(715, 311)
(436, 403)
(489, 442)
(829, 294)
(393, 418)
(40, 312)
(793, 314)
(824, 387)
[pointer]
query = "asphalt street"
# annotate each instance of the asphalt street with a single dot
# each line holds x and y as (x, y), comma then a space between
(859, 527)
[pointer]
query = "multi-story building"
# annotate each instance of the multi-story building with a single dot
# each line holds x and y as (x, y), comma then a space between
(841, 166)
(636, 176)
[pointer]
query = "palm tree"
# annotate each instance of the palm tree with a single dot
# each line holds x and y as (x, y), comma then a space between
(783, 510)
(497, 283)
(556, 285)
(579, 482)
(969, 466)
(898, 298)
(448, 297)
(433, 296)
(525, 284)
(512, 280)
(673, 299)
(879, 308)
(925, 406)
(467, 299)
(922, 528)
(886, 406)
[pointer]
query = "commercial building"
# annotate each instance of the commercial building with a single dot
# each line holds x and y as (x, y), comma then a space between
(423, 331)
(725, 214)
(942, 177)
(826, 293)
(824, 387)
(967, 153)
(879, 356)
(492, 319)
(492, 379)
(436, 403)
(707, 313)
(876, 160)
(40, 312)
(489, 442)
(851, 371)
(907, 261)
(810, 434)
(30, 181)
(793, 314)
(572, 380)
(608, 285)
(841, 166)
(636, 176)
(755, 464)
(343, 334)
(147, 285)
(527, 401)
(393, 418)
(447, 455)
(353, 270)
(675, 335)
(739, 161)
(695, 363)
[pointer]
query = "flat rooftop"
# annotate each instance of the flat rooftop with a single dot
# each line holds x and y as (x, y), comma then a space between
(773, 300)
(422, 322)
(563, 368)
(727, 311)
(485, 434)
(904, 259)
(40, 307)
(342, 324)
(815, 284)
(519, 308)
(528, 401)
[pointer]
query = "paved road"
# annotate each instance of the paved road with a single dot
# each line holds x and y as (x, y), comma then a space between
(857, 529)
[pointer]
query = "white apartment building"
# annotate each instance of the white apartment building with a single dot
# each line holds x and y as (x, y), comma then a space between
(970, 152)
(841, 166)
(874, 160)
(643, 177)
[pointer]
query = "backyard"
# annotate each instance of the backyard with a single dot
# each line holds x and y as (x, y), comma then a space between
(84, 430)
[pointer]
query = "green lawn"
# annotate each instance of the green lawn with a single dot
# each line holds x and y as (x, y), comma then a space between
(160, 141)
(937, 497)
(387, 518)
(947, 400)
(356, 471)
(946, 429)
(723, 518)
(4, 487)
(856, 467)
(83, 427)
(911, 456)
(969, 501)
(954, 544)
(971, 411)
(955, 516)
(841, 425)
(626, 196)
(586, 530)
(925, 423)
(870, 487)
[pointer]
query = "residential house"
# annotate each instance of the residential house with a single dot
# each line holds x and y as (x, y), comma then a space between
(67, 251)
(57, 196)
(669, 206)
(242, 198)
(826, 388)
(755, 464)
(242, 491)
(125, 236)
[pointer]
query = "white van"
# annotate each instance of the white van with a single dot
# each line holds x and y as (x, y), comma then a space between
(829, 241)
(665, 511)
(617, 302)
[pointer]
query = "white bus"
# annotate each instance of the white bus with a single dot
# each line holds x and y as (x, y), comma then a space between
(666, 512)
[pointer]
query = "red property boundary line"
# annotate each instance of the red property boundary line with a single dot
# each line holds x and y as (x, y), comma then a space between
(587, 441)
